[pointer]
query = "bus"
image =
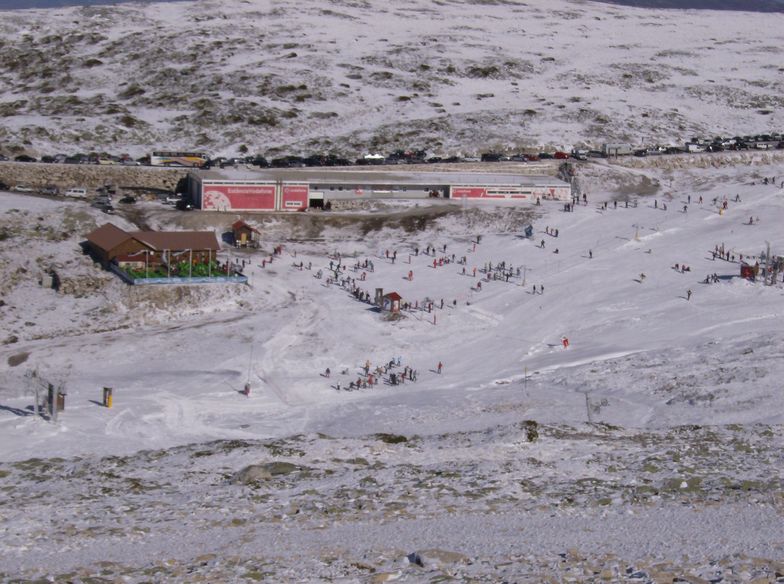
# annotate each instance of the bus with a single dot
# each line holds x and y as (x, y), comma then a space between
(191, 159)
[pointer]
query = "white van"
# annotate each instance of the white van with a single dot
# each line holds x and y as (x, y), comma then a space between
(78, 192)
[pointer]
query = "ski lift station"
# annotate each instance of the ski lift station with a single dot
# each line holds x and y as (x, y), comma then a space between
(298, 189)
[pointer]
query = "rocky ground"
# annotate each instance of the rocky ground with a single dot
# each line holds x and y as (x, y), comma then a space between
(387, 506)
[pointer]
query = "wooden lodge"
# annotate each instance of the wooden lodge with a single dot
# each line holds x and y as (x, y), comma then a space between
(109, 244)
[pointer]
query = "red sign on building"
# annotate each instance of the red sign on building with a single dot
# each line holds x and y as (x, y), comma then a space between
(238, 197)
(468, 192)
(295, 197)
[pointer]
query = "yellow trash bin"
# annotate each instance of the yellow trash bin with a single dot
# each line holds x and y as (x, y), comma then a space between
(107, 397)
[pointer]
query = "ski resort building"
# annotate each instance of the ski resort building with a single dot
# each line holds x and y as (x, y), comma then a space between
(297, 190)
(108, 244)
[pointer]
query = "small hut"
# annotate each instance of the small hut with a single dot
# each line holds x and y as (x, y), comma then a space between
(748, 271)
(244, 234)
(392, 302)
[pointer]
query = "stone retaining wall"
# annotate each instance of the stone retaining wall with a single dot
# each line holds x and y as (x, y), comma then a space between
(90, 176)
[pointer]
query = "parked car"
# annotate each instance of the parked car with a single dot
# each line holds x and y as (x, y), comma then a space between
(128, 200)
(76, 192)
(3, 186)
(24, 189)
(3, 157)
(491, 157)
(24, 158)
(559, 155)
(50, 190)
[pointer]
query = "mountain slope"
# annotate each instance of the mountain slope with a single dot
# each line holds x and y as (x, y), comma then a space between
(448, 76)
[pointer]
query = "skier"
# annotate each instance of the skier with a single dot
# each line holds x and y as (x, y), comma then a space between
(326, 373)
(565, 342)
(688, 294)
(590, 254)
(440, 366)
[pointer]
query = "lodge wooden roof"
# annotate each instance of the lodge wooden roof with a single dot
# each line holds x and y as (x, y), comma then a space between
(178, 240)
(107, 237)
(393, 296)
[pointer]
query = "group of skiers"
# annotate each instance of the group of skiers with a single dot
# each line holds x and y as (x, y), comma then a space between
(389, 372)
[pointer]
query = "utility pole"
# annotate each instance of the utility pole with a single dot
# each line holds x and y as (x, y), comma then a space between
(52, 402)
(767, 264)
(588, 407)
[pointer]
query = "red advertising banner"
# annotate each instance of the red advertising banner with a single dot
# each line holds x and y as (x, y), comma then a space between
(468, 192)
(295, 197)
(238, 197)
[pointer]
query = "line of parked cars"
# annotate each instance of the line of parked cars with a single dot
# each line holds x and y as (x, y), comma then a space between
(414, 156)
(123, 159)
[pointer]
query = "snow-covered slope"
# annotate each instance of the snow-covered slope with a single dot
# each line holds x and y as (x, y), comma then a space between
(448, 76)
(648, 449)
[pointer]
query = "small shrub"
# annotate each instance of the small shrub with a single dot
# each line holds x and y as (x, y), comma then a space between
(128, 121)
(133, 90)
(482, 72)
(531, 428)
(391, 438)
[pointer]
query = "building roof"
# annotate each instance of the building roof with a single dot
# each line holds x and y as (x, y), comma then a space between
(107, 236)
(373, 177)
(239, 224)
(393, 296)
(178, 240)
